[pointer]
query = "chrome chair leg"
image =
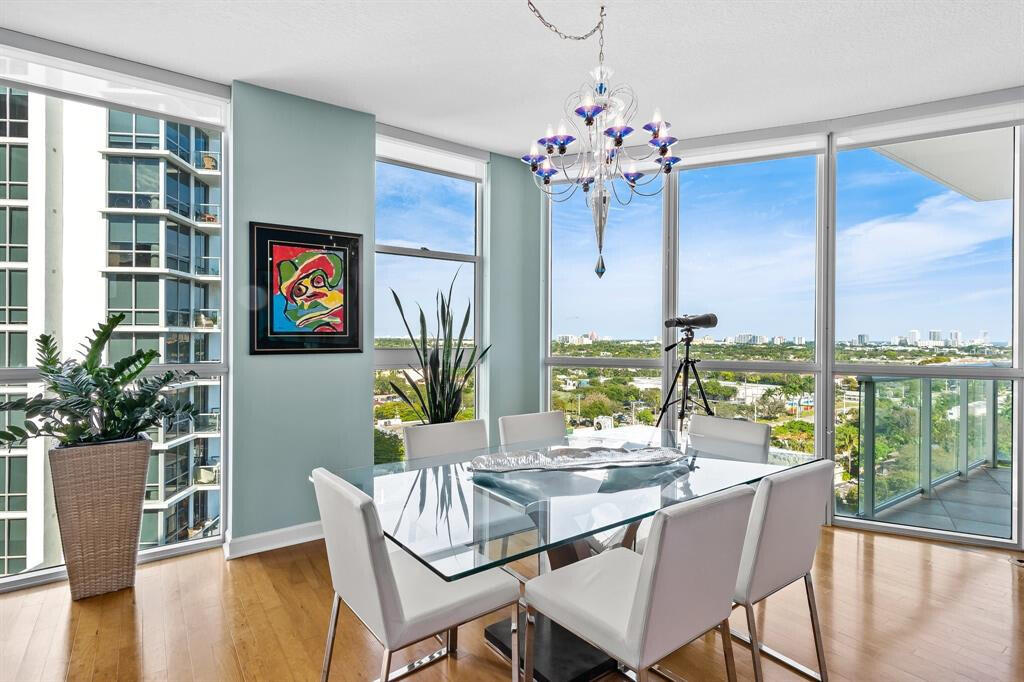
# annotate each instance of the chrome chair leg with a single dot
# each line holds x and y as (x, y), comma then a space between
(325, 671)
(514, 644)
(385, 666)
(819, 644)
(730, 662)
(755, 644)
(452, 645)
(528, 646)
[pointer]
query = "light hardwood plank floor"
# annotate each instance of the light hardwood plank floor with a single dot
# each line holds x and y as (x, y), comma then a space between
(891, 609)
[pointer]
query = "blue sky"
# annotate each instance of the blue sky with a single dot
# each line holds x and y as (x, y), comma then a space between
(417, 209)
(911, 253)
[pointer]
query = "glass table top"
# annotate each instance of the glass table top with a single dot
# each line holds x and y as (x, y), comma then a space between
(459, 520)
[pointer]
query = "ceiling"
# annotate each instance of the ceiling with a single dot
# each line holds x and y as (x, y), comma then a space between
(486, 73)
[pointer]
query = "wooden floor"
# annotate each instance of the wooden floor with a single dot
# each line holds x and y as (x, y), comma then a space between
(891, 609)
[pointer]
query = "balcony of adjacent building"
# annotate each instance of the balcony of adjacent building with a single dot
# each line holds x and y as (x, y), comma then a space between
(931, 453)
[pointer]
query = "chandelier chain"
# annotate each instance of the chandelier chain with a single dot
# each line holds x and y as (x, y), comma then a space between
(598, 28)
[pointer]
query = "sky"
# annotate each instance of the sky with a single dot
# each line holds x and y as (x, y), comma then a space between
(418, 209)
(911, 253)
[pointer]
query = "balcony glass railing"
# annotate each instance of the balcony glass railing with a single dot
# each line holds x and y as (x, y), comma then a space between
(207, 422)
(207, 213)
(206, 160)
(925, 451)
(206, 318)
(206, 475)
(208, 265)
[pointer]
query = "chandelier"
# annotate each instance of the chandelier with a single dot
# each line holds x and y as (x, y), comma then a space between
(586, 150)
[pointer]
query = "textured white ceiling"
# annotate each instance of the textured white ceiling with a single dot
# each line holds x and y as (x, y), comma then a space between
(487, 74)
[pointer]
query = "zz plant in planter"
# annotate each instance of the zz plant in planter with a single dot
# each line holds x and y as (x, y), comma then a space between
(99, 415)
(90, 403)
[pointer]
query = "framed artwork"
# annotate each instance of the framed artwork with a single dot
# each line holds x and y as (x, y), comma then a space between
(305, 290)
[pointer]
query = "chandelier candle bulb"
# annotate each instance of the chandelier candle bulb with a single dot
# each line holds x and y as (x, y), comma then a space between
(534, 157)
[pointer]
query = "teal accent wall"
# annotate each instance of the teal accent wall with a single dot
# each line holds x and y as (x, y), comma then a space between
(298, 162)
(513, 290)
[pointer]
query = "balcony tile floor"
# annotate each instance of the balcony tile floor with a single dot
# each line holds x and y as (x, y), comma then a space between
(979, 505)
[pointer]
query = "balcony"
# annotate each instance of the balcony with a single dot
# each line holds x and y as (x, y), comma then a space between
(930, 453)
(206, 475)
(207, 422)
(206, 160)
(206, 318)
(208, 265)
(207, 213)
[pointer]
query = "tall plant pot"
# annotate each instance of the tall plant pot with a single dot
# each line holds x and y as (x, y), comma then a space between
(98, 491)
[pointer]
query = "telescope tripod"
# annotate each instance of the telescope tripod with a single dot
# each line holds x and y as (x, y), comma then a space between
(687, 367)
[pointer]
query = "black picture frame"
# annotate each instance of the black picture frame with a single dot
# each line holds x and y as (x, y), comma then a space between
(312, 259)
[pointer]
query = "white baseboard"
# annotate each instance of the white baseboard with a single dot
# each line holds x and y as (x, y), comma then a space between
(236, 547)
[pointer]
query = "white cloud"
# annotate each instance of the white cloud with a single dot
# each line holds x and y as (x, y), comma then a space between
(908, 247)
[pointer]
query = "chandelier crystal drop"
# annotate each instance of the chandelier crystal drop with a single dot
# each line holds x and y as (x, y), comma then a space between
(587, 151)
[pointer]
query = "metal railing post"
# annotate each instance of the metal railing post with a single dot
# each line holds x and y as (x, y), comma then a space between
(991, 423)
(925, 476)
(962, 456)
(867, 451)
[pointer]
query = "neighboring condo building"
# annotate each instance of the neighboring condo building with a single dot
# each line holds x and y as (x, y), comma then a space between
(105, 212)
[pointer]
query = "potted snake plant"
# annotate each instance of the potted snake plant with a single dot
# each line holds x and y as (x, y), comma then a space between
(445, 364)
(99, 416)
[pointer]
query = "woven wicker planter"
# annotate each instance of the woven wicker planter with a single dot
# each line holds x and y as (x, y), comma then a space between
(98, 490)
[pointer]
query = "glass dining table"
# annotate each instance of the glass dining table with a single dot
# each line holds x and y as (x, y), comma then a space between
(464, 512)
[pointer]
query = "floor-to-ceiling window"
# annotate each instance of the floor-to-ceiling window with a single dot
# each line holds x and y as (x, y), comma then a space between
(925, 331)
(866, 301)
(427, 241)
(125, 225)
(747, 254)
(604, 367)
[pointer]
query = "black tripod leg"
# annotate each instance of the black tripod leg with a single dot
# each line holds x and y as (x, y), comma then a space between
(668, 399)
(686, 387)
(700, 388)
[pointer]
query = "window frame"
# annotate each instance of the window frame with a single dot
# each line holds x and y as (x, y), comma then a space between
(5, 112)
(823, 367)
(398, 358)
(6, 181)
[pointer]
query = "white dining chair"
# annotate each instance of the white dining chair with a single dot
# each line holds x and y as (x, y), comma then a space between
(429, 440)
(730, 438)
(397, 598)
(539, 426)
(735, 439)
(782, 538)
(639, 609)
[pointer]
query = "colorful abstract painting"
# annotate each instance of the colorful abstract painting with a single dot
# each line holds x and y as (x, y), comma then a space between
(309, 289)
(305, 286)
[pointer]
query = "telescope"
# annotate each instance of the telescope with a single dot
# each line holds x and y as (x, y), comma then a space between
(705, 321)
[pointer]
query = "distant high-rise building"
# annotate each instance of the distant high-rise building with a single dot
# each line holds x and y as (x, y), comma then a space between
(984, 337)
(141, 235)
(760, 338)
(913, 337)
(592, 335)
(935, 335)
(954, 337)
(745, 338)
(799, 340)
(862, 339)
(898, 341)
(778, 340)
